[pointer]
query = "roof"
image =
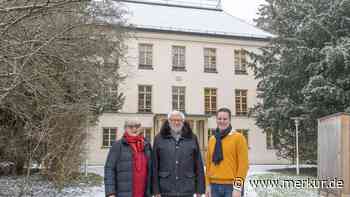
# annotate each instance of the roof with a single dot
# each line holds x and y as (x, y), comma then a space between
(333, 116)
(190, 19)
(190, 3)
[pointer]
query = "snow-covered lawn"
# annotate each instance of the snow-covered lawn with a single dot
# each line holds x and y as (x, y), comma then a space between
(261, 172)
(279, 185)
(12, 186)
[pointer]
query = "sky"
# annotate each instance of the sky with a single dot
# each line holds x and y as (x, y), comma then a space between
(244, 9)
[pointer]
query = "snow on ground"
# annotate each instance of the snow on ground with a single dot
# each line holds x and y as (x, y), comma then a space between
(261, 172)
(12, 186)
(281, 189)
(94, 192)
(97, 170)
(256, 169)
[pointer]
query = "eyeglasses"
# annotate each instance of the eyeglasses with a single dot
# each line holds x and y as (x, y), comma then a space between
(136, 126)
(175, 120)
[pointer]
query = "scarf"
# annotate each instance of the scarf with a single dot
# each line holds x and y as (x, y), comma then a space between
(140, 170)
(219, 135)
(137, 145)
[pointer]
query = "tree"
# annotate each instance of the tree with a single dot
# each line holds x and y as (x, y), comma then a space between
(304, 70)
(59, 69)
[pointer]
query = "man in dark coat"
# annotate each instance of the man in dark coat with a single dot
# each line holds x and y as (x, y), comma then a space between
(177, 161)
(128, 167)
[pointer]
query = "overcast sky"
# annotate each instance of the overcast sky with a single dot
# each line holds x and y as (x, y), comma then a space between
(244, 9)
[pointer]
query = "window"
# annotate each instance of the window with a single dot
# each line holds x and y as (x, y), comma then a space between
(244, 132)
(270, 139)
(145, 56)
(209, 60)
(108, 137)
(240, 62)
(145, 98)
(241, 103)
(147, 134)
(178, 95)
(179, 58)
(210, 100)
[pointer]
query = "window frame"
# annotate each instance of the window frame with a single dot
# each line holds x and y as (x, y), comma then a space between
(240, 61)
(178, 58)
(144, 109)
(145, 53)
(178, 95)
(239, 104)
(211, 110)
(208, 55)
(109, 140)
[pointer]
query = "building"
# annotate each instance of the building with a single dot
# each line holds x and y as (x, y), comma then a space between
(189, 58)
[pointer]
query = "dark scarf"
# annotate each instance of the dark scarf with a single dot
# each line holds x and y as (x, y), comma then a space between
(219, 135)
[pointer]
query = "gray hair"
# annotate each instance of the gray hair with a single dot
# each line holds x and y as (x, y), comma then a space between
(131, 122)
(175, 112)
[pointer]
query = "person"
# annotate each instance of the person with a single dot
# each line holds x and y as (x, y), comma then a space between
(226, 160)
(178, 166)
(128, 166)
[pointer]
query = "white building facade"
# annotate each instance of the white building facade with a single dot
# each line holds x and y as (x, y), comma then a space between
(195, 70)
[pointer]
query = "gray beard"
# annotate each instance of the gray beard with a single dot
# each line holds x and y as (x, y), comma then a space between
(176, 133)
(176, 130)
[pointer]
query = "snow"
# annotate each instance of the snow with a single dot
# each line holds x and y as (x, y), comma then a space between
(263, 169)
(97, 170)
(194, 20)
(38, 187)
(6, 164)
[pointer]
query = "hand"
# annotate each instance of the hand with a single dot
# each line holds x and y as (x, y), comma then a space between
(236, 193)
(157, 195)
(112, 195)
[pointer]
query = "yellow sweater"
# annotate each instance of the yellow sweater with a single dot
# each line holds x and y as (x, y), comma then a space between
(234, 166)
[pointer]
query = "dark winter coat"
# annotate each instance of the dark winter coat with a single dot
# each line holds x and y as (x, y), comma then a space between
(119, 170)
(177, 166)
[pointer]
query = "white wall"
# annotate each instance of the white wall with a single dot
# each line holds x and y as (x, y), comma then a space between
(162, 78)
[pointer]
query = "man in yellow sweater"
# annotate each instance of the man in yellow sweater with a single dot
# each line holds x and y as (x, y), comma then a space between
(227, 159)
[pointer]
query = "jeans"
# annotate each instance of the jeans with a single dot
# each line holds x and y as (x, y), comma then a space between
(222, 190)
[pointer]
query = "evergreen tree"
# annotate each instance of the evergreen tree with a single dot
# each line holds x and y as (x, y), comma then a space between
(305, 69)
